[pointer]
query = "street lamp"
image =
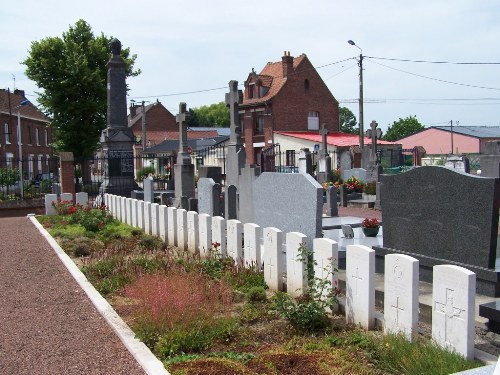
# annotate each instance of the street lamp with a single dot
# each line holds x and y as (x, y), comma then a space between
(360, 63)
(20, 146)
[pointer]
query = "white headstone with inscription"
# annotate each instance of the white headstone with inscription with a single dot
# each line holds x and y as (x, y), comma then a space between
(453, 306)
(296, 262)
(155, 219)
(182, 228)
(219, 233)
(274, 264)
(163, 222)
(325, 253)
(401, 295)
(252, 234)
(360, 286)
(205, 228)
(234, 240)
(193, 231)
(172, 226)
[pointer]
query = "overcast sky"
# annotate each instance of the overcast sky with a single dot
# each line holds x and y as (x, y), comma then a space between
(198, 45)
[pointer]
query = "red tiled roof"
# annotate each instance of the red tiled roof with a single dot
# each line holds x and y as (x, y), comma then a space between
(335, 139)
(27, 111)
(192, 134)
(272, 75)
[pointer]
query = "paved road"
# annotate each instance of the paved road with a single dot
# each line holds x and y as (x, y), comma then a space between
(47, 323)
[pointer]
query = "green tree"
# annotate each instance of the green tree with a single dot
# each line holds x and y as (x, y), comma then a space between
(72, 73)
(348, 123)
(403, 128)
(214, 115)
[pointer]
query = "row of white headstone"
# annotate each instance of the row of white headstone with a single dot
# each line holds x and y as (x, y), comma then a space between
(453, 299)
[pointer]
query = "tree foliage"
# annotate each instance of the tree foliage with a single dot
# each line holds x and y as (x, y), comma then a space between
(214, 115)
(348, 123)
(72, 73)
(403, 128)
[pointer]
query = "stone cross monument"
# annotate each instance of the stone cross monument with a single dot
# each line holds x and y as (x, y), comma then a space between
(117, 139)
(235, 151)
(372, 166)
(184, 168)
(324, 159)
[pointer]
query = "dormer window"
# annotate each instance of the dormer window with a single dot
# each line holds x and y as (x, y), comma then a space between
(251, 88)
(263, 91)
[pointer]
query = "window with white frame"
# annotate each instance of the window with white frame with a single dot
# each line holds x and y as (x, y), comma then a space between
(37, 137)
(46, 137)
(9, 157)
(6, 131)
(259, 123)
(40, 170)
(313, 120)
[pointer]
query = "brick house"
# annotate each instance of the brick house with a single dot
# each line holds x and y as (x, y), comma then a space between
(36, 135)
(288, 95)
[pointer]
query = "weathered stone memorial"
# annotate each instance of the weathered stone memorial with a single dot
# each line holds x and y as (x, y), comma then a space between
(117, 139)
(490, 159)
(184, 168)
(292, 202)
(441, 216)
(209, 197)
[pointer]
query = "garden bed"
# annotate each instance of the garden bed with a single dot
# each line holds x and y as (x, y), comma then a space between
(209, 316)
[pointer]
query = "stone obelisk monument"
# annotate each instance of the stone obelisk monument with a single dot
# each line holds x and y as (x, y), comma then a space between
(117, 139)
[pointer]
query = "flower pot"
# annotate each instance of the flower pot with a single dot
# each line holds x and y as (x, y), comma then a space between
(370, 232)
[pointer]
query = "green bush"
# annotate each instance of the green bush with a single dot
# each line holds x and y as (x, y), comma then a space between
(84, 246)
(256, 294)
(144, 172)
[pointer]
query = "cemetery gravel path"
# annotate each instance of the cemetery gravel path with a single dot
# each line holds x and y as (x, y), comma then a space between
(47, 323)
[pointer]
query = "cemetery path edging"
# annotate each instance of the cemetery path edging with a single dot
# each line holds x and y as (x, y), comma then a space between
(146, 359)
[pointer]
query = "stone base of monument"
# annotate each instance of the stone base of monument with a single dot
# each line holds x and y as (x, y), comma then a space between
(487, 280)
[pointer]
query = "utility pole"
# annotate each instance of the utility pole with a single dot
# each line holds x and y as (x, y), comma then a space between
(361, 127)
(451, 128)
(143, 118)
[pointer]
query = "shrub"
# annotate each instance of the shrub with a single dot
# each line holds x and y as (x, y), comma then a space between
(308, 313)
(149, 242)
(144, 172)
(84, 246)
(256, 294)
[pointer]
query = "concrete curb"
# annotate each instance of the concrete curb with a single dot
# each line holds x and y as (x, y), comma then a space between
(141, 353)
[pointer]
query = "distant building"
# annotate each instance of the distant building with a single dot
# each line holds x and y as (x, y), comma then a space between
(437, 140)
(36, 135)
(288, 95)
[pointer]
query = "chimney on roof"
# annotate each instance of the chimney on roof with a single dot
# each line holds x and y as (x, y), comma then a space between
(287, 62)
(19, 92)
(133, 111)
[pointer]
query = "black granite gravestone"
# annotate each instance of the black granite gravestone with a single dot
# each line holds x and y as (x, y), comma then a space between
(442, 216)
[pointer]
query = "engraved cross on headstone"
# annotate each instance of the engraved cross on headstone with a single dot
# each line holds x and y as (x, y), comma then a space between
(323, 132)
(449, 311)
(398, 310)
(233, 98)
(183, 156)
(356, 278)
(374, 133)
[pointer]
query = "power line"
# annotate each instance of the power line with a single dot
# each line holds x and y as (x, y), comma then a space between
(437, 79)
(432, 62)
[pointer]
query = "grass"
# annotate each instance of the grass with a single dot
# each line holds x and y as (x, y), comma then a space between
(210, 316)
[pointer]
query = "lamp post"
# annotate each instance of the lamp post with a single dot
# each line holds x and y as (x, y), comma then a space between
(20, 146)
(360, 63)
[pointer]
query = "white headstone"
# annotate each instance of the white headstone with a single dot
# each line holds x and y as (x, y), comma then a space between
(274, 264)
(453, 306)
(140, 214)
(360, 286)
(49, 200)
(193, 239)
(401, 295)
(66, 197)
(147, 217)
(205, 226)
(296, 264)
(252, 252)
(134, 212)
(128, 203)
(114, 210)
(148, 185)
(155, 219)
(234, 240)
(325, 253)
(172, 226)
(182, 228)
(82, 198)
(219, 233)
(163, 222)
(123, 209)
(106, 200)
